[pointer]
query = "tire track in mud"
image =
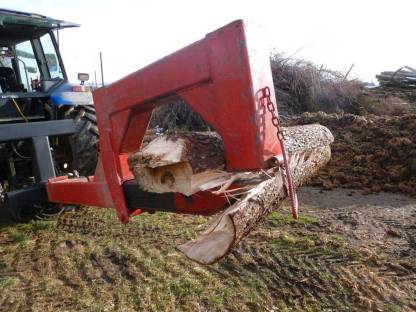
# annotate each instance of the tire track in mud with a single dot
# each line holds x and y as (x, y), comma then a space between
(333, 279)
(331, 284)
(89, 225)
(115, 263)
(288, 274)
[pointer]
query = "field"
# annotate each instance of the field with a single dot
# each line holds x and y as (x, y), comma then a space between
(347, 252)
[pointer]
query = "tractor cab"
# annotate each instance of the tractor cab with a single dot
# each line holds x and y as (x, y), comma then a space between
(37, 102)
(29, 60)
(23, 71)
(28, 47)
(31, 67)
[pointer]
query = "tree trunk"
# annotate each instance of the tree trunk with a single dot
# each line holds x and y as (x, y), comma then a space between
(231, 226)
(191, 162)
(184, 162)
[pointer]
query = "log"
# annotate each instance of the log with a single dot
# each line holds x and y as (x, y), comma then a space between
(189, 162)
(184, 162)
(231, 226)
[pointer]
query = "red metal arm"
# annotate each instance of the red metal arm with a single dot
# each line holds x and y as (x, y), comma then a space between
(217, 76)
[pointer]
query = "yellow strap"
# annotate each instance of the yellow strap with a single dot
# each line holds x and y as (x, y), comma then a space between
(19, 110)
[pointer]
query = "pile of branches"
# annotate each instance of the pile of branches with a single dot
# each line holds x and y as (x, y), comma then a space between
(301, 86)
(177, 115)
(404, 77)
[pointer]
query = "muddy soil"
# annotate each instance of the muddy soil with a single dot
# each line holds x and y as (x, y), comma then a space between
(371, 153)
(347, 252)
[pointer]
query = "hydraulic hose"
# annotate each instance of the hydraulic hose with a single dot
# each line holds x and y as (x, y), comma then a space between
(19, 110)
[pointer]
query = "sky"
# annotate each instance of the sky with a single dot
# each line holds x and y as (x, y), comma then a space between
(373, 35)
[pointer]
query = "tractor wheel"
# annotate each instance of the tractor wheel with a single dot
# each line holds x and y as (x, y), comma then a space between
(84, 143)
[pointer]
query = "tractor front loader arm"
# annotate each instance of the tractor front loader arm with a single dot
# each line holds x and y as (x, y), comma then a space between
(220, 77)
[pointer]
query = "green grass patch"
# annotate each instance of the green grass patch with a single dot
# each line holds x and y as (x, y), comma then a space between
(298, 240)
(277, 218)
(8, 282)
(19, 237)
(337, 241)
(40, 225)
(394, 308)
(22, 232)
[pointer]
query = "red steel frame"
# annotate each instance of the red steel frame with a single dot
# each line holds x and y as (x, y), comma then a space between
(219, 77)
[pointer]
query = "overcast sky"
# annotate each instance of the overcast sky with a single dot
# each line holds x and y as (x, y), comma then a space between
(374, 35)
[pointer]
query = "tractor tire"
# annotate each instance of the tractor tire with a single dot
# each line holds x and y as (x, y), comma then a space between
(84, 143)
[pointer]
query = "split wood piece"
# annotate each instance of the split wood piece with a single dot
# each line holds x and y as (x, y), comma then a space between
(229, 228)
(189, 162)
(184, 162)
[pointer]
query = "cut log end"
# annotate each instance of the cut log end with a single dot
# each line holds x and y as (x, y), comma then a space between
(184, 162)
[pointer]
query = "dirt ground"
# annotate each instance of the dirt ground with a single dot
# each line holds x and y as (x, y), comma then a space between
(371, 153)
(347, 252)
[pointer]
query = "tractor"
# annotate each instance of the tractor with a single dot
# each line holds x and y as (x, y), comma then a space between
(49, 133)
(47, 125)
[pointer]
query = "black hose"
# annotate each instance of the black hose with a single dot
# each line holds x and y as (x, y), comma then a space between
(14, 149)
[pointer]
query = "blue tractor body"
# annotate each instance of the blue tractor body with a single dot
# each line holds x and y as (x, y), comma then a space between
(47, 124)
(64, 95)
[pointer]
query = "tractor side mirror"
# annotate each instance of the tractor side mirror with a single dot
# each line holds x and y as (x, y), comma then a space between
(83, 77)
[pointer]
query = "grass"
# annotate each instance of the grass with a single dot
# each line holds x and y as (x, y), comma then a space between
(88, 261)
(8, 282)
(303, 240)
(394, 308)
(296, 233)
(277, 218)
(18, 237)
(23, 232)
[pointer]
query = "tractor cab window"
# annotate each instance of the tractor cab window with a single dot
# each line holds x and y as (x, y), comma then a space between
(51, 57)
(28, 66)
